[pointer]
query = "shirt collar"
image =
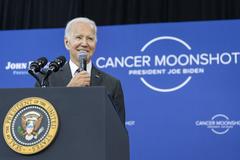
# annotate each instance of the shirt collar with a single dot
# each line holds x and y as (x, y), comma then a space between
(74, 67)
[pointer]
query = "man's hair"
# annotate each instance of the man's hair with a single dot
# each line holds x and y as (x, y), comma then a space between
(81, 20)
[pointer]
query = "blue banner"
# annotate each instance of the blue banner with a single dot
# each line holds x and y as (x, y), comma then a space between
(180, 80)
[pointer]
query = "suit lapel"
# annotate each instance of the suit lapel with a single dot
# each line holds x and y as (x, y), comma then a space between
(96, 77)
(65, 74)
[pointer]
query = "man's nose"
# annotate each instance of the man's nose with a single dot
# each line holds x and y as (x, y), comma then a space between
(84, 42)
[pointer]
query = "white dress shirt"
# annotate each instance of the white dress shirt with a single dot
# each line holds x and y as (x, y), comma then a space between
(74, 67)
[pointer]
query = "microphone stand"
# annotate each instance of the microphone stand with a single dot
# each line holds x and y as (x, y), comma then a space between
(43, 83)
(32, 73)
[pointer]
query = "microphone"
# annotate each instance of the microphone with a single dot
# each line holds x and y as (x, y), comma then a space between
(82, 58)
(54, 66)
(37, 65)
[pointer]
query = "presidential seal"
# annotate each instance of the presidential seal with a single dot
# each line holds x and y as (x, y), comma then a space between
(30, 125)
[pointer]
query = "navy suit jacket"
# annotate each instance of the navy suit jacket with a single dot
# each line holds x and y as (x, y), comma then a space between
(98, 78)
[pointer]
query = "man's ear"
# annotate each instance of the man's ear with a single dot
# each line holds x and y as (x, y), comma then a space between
(66, 43)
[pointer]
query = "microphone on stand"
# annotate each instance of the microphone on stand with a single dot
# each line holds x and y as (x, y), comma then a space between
(36, 67)
(54, 66)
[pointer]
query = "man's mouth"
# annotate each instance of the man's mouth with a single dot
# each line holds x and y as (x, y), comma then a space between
(83, 50)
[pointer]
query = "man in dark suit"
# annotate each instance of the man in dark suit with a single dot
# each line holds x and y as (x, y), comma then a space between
(80, 35)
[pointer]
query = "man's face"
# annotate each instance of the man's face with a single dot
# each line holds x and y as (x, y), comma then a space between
(81, 37)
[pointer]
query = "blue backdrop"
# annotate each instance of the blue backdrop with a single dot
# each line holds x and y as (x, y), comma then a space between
(180, 80)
